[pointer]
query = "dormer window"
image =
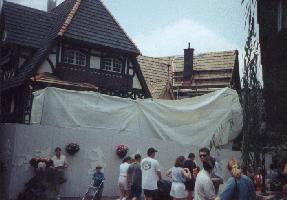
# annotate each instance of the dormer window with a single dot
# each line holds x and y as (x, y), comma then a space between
(112, 64)
(281, 15)
(74, 57)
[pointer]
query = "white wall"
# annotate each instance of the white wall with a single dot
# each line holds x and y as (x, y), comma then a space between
(136, 82)
(46, 67)
(21, 62)
(95, 62)
(96, 148)
(6, 155)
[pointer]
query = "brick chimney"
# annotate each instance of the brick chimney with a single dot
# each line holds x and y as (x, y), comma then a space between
(188, 65)
(51, 4)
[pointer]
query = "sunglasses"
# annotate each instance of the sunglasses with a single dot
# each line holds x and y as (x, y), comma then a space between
(202, 155)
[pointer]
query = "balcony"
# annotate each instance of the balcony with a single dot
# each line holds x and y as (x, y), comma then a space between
(100, 78)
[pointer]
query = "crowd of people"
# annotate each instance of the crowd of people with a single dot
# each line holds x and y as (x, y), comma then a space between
(188, 181)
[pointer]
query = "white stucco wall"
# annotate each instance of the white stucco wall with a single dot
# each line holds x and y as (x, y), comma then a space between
(21, 61)
(95, 62)
(46, 67)
(136, 82)
(27, 141)
(6, 155)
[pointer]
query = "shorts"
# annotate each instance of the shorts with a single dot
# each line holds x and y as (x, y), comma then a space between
(178, 190)
(123, 183)
(136, 191)
(150, 193)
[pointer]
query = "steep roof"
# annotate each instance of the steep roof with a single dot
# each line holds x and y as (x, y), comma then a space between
(211, 71)
(69, 19)
(155, 72)
(26, 26)
(208, 61)
(45, 47)
(94, 24)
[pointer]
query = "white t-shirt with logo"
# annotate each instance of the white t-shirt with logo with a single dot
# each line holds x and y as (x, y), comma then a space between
(59, 162)
(149, 167)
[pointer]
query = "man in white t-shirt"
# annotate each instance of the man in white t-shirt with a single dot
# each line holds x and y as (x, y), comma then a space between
(59, 164)
(204, 188)
(150, 174)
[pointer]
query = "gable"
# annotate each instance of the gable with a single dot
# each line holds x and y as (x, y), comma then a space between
(95, 25)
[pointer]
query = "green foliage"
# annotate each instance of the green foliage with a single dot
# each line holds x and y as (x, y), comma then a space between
(254, 133)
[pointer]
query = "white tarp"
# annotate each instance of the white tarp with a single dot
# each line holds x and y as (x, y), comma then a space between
(215, 117)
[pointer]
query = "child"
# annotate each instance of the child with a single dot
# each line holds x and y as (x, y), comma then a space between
(98, 178)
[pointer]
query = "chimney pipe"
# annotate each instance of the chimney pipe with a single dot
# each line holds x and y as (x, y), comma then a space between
(51, 4)
(188, 64)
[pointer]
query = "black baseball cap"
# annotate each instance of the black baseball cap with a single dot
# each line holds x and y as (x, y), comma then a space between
(151, 150)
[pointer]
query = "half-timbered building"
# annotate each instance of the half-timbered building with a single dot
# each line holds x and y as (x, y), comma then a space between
(77, 45)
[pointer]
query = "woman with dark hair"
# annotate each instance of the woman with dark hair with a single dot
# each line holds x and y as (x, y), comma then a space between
(179, 176)
(189, 184)
(238, 186)
(123, 186)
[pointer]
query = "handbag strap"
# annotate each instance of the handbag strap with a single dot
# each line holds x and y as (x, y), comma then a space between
(235, 191)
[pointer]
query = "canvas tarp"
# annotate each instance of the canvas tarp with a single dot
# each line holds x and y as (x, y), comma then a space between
(213, 118)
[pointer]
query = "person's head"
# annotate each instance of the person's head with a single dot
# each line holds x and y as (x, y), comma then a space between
(127, 159)
(58, 151)
(138, 157)
(283, 167)
(208, 163)
(191, 156)
(151, 152)
(234, 168)
(179, 161)
(98, 168)
(203, 153)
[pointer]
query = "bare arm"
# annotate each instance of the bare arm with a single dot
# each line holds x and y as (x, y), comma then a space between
(168, 173)
(159, 175)
(186, 173)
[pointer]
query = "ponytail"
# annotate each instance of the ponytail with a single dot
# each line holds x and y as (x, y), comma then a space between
(233, 167)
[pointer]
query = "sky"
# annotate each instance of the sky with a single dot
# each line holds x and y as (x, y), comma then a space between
(164, 27)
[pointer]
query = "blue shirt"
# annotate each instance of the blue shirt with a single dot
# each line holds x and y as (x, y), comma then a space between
(176, 175)
(98, 179)
(245, 189)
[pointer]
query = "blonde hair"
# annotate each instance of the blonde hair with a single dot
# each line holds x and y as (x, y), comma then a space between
(233, 167)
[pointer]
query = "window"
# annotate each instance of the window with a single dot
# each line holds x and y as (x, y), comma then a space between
(118, 64)
(281, 15)
(74, 57)
(107, 64)
(112, 64)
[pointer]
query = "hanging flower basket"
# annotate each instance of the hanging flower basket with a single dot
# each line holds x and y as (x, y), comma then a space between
(41, 162)
(122, 150)
(72, 148)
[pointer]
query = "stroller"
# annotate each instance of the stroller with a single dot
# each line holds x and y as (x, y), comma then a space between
(94, 192)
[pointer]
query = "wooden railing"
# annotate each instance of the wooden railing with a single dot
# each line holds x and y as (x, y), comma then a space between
(100, 78)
